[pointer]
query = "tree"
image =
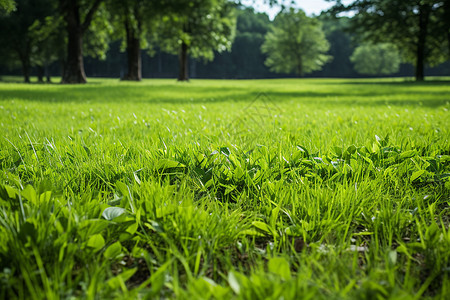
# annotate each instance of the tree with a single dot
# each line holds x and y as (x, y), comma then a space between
(379, 59)
(18, 38)
(77, 24)
(295, 44)
(47, 36)
(198, 28)
(341, 47)
(419, 28)
(134, 24)
(246, 52)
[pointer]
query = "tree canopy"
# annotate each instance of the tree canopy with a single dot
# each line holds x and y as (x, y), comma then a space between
(420, 28)
(378, 59)
(198, 28)
(295, 44)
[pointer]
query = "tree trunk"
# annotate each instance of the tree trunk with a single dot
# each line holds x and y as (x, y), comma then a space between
(47, 74)
(26, 65)
(23, 53)
(74, 69)
(133, 54)
(40, 74)
(424, 15)
(183, 59)
(299, 66)
(26, 73)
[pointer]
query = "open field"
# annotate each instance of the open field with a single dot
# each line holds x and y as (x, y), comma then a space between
(268, 189)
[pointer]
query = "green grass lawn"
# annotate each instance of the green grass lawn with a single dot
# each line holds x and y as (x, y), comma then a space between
(260, 189)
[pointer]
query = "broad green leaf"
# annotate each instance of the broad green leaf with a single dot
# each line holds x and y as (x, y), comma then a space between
(123, 188)
(96, 241)
(402, 249)
(393, 257)
(154, 226)
(45, 197)
(132, 228)
(262, 226)
(251, 232)
(119, 281)
(29, 193)
(280, 266)
(167, 164)
(351, 149)
(113, 250)
(113, 212)
(338, 151)
(416, 175)
(292, 230)
(375, 148)
(274, 216)
(11, 191)
(125, 236)
(234, 283)
(408, 154)
(238, 173)
(362, 233)
(209, 288)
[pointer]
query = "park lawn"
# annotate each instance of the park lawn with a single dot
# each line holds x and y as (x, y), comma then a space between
(249, 189)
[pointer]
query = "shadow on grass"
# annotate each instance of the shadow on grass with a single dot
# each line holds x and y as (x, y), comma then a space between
(405, 83)
(360, 95)
(15, 80)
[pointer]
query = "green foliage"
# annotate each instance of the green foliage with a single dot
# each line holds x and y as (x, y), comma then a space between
(419, 29)
(205, 26)
(295, 44)
(245, 60)
(379, 59)
(20, 39)
(341, 46)
(139, 16)
(48, 40)
(98, 36)
(327, 188)
(250, 21)
(7, 6)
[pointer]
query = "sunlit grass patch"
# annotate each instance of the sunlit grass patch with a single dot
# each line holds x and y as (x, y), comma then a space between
(247, 189)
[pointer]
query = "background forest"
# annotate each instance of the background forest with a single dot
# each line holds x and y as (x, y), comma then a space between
(35, 30)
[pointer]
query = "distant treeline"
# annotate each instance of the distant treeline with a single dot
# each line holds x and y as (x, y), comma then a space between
(244, 61)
